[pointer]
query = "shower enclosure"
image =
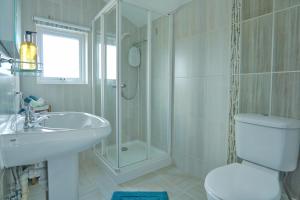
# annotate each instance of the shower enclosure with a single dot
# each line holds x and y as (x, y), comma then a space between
(132, 78)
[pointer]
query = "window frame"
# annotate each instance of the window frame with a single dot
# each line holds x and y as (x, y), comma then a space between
(82, 37)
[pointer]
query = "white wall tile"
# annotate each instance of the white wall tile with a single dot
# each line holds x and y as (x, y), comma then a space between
(201, 90)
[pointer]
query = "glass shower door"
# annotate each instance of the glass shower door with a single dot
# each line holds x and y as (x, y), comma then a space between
(133, 69)
(131, 53)
(109, 82)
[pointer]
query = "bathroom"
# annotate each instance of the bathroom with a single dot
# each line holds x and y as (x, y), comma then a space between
(152, 95)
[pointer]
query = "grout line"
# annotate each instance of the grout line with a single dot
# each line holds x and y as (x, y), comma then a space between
(272, 58)
(239, 89)
(255, 18)
(204, 32)
(287, 71)
(240, 53)
(270, 13)
(201, 77)
(285, 9)
(262, 73)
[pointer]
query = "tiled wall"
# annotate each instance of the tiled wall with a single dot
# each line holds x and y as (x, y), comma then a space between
(270, 66)
(201, 93)
(80, 12)
(160, 83)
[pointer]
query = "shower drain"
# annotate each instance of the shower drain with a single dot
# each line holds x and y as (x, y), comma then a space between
(124, 149)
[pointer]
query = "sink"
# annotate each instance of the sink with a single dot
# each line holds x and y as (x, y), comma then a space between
(61, 133)
(58, 139)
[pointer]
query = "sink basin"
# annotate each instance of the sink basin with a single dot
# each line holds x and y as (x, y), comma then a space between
(58, 139)
(61, 133)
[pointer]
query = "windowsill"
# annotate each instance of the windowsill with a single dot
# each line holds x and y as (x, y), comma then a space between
(45, 81)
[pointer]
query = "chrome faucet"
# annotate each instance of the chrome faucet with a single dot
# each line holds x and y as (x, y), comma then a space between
(31, 119)
(29, 116)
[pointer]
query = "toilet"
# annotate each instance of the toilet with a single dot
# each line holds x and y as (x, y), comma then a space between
(267, 145)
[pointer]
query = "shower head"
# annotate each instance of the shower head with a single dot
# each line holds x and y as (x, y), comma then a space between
(134, 57)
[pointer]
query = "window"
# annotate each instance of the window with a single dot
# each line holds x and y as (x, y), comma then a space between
(111, 59)
(63, 54)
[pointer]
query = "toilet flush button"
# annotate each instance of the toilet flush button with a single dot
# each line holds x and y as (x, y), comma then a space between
(13, 142)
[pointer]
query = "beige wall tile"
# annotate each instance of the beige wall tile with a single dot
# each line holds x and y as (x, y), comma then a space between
(257, 45)
(202, 60)
(255, 93)
(255, 89)
(160, 83)
(281, 4)
(200, 126)
(254, 8)
(286, 95)
(203, 54)
(202, 16)
(287, 40)
(190, 56)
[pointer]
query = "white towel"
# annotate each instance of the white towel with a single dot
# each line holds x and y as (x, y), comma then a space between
(38, 103)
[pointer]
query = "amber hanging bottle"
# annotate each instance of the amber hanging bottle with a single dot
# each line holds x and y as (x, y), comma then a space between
(28, 52)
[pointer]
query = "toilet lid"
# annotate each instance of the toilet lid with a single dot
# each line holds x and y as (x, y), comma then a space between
(242, 182)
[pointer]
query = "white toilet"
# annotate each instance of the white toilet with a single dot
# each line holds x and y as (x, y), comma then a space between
(268, 145)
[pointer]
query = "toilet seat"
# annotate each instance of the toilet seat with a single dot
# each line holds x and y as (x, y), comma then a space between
(242, 182)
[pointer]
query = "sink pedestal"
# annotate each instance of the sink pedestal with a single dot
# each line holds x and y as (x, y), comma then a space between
(63, 175)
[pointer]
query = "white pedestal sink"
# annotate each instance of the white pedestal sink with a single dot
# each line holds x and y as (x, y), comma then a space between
(58, 140)
(63, 177)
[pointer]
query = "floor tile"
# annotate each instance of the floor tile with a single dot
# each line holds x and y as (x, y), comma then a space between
(96, 184)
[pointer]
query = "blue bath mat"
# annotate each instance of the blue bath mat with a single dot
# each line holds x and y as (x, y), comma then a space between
(140, 196)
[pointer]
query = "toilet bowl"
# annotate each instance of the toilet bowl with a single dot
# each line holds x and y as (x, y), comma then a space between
(242, 182)
(267, 145)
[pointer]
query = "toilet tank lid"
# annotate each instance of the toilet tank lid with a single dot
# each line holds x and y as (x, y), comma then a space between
(268, 121)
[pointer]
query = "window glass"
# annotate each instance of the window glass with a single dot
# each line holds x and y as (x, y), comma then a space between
(61, 57)
(63, 53)
(111, 59)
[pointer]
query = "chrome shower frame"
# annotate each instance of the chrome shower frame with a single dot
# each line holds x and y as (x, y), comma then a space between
(120, 173)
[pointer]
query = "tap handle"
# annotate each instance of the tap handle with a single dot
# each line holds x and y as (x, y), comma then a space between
(19, 98)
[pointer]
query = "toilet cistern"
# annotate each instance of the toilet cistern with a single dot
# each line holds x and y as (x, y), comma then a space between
(267, 145)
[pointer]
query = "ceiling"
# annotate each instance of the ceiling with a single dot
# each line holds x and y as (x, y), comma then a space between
(138, 16)
(160, 6)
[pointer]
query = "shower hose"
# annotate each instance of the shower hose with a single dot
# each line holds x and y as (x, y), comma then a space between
(135, 89)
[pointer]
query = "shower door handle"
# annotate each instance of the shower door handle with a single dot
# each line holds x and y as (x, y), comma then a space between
(123, 85)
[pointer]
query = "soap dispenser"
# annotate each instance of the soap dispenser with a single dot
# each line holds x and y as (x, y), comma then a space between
(28, 52)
